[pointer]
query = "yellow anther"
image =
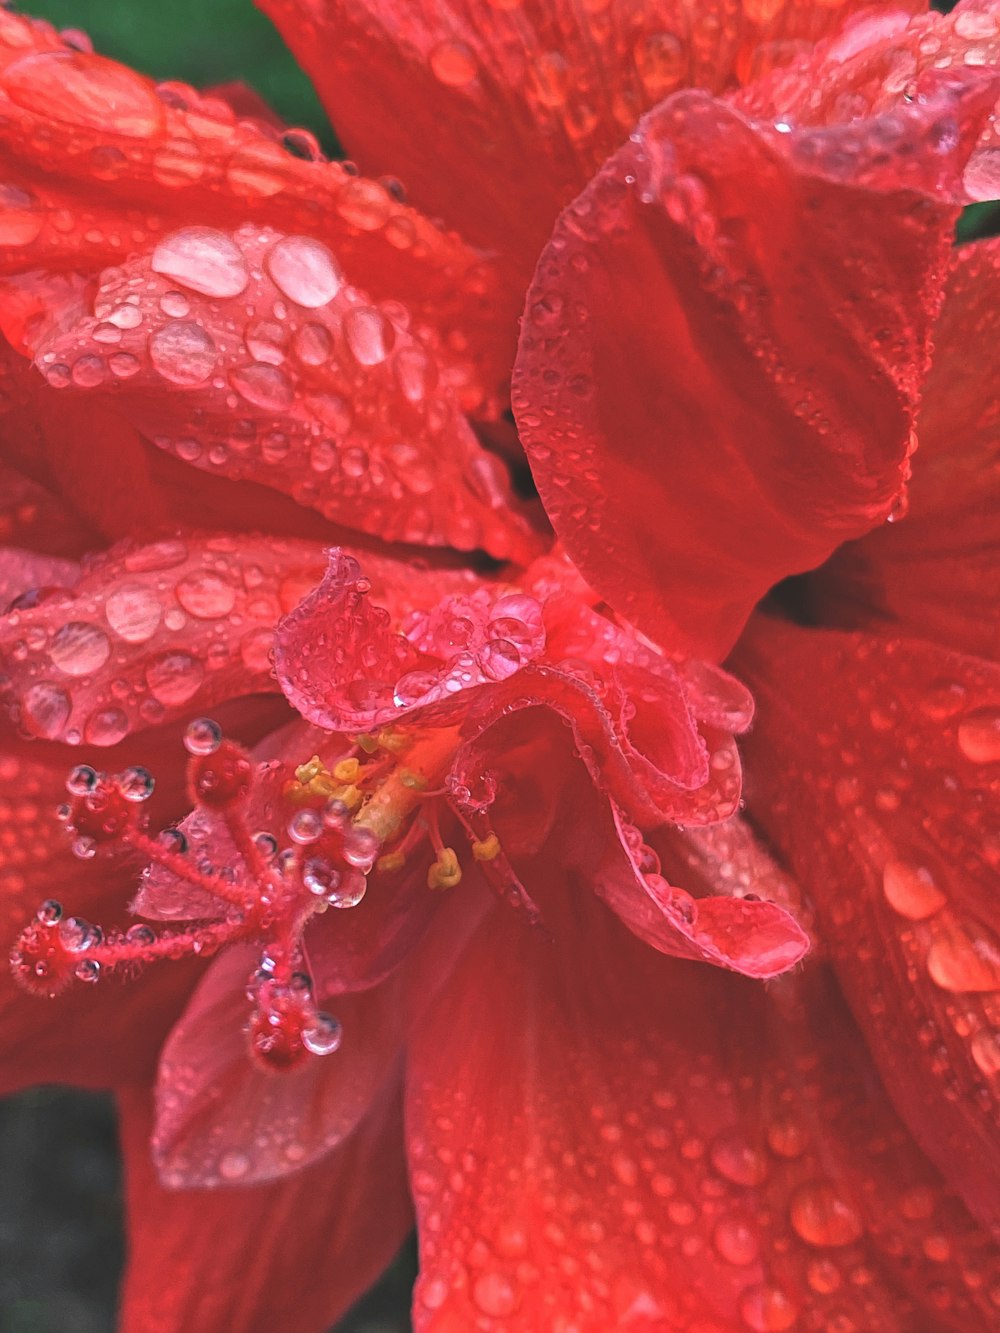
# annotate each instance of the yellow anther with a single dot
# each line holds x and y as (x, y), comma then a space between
(445, 873)
(393, 740)
(415, 781)
(347, 770)
(488, 849)
(367, 743)
(351, 796)
(306, 772)
(391, 861)
(311, 779)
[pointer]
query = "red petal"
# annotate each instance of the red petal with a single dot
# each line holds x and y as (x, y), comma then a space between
(247, 354)
(877, 58)
(601, 1139)
(150, 634)
(760, 383)
(935, 573)
(530, 94)
(881, 791)
(25, 572)
(126, 161)
(221, 1119)
(204, 1260)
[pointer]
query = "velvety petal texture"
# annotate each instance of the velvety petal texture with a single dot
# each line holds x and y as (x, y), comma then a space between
(713, 393)
(525, 92)
(168, 155)
(200, 1261)
(248, 354)
(666, 1148)
(935, 573)
(881, 790)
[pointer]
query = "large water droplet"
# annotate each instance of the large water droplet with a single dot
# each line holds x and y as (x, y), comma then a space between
(979, 736)
(183, 353)
(304, 270)
(821, 1217)
(735, 1241)
(369, 335)
(21, 218)
(911, 891)
(203, 260)
(45, 709)
(133, 612)
(264, 386)
(733, 1157)
(205, 595)
(964, 958)
(985, 1048)
(174, 678)
(77, 88)
(768, 1309)
(79, 648)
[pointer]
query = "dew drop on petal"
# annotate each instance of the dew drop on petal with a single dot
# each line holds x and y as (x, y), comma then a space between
(323, 1035)
(105, 726)
(45, 709)
(453, 64)
(79, 648)
(81, 89)
(911, 891)
(369, 335)
(174, 678)
(234, 1165)
(735, 1159)
(819, 1216)
(263, 385)
(979, 736)
(304, 270)
(133, 611)
(203, 260)
(21, 218)
(494, 1294)
(183, 353)
(964, 958)
(735, 1241)
(768, 1309)
(205, 595)
(985, 1048)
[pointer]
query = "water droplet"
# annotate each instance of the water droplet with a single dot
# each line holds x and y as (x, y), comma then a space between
(174, 678)
(304, 270)
(82, 779)
(49, 912)
(263, 385)
(133, 612)
(21, 218)
(323, 1036)
(821, 1217)
(735, 1241)
(964, 958)
(733, 1157)
(911, 891)
(202, 736)
(985, 1048)
(135, 783)
(205, 595)
(183, 353)
(105, 726)
(767, 1309)
(88, 970)
(77, 935)
(203, 260)
(45, 710)
(305, 826)
(494, 1294)
(979, 736)
(234, 1165)
(369, 335)
(140, 935)
(79, 648)
(454, 65)
(81, 89)
(361, 847)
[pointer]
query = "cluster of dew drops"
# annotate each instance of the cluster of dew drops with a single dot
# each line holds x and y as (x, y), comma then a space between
(276, 893)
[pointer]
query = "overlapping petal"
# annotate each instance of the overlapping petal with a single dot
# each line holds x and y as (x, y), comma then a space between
(666, 1148)
(150, 634)
(248, 355)
(935, 573)
(108, 184)
(531, 94)
(714, 395)
(203, 1260)
(881, 790)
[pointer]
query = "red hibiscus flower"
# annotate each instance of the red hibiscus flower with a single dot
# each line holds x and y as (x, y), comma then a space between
(468, 918)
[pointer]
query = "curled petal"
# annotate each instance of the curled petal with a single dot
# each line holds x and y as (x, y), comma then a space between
(248, 355)
(890, 823)
(711, 399)
(94, 662)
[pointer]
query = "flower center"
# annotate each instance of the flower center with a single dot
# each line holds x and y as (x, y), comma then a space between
(373, 805)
